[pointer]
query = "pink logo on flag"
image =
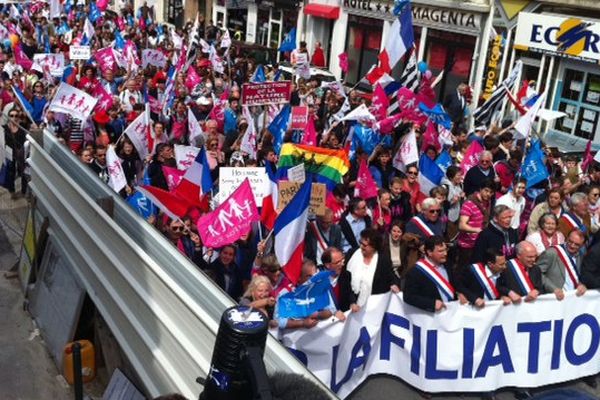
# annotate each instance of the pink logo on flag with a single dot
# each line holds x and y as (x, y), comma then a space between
(106, 59)
(310, 133)
(299, 117)
(231, 220)
(430, 138)
(471, 156)
(343, 57)
(21, 58)
(366, 187)
(173, 176)
(409, 106)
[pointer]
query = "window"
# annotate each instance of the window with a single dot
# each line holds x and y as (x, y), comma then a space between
(363, 44)
(579, 98)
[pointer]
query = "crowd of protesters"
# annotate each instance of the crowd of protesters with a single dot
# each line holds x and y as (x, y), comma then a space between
(488, 219)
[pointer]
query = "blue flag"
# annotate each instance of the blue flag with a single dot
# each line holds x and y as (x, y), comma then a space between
(25, 104)
(289, 42)
(399, 6)
(277, 76)
(63, 28)
(142, 205)
(312, 296)
(119, 41)
(367, 139)
(95, 13)
(437, 114)
(279, 126)
(259, 75)
(444, 161)
(534, 168)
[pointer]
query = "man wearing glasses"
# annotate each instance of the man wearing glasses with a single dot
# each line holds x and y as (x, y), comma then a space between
(561, 266)
(479, 173)
(422, 226)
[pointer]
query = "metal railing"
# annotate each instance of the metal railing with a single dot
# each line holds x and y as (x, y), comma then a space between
(163, 311)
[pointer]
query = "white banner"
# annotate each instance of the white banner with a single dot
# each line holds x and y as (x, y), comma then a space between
(79, 52)
(70, 100)
(231, 178)
(116, 180)
(55, 63)
(461, 349)
(185, 155)
(153, 57)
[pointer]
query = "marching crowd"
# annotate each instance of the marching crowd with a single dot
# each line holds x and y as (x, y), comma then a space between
(482, 234)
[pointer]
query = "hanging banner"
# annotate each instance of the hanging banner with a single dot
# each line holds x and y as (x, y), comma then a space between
(493, 66)
(460, 349)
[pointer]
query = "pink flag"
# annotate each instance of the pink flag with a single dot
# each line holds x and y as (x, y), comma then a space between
(471, 156)
(343, 57)
(231, 220)
(366, 187)
(192, 79)
(426, 94)
(218, 111)
(102, 4)
(310, 133)
(587, 157)
(380, 103)
(106, 59)
(430, 138)
(155, 106)
(388, 124)
(409, 106)
(21, 58)
(173, 176)
(121, 23)
(105, 100)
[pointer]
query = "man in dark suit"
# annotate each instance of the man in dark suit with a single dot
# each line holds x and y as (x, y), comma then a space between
(480, 281)
(522, 277)
(557, 276)
(321, 234)
(455, 104)
(353, 223)
(428, 285)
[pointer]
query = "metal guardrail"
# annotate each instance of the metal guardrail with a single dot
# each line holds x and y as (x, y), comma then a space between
(163, 311)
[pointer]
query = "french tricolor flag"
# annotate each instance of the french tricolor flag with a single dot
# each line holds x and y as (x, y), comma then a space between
(400, 39)
(430, 174)
(268, 213)
(197, 181)
(289, 230)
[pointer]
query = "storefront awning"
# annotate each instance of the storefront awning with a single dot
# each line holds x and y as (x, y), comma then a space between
(322, 11)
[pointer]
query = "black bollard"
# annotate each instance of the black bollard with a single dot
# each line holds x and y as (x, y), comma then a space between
(77, 377)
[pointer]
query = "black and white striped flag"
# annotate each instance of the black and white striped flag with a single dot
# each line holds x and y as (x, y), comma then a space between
(483, 115)
(193, 42)
(409, 80)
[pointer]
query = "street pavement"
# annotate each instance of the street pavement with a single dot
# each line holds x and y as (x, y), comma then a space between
(27, 371)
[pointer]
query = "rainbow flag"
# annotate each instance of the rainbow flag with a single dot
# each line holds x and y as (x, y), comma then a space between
(326, 165)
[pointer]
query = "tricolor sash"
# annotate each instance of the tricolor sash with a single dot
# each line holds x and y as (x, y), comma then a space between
(521, 275)
(489, 288)
(568, 263)
(440, 282)
(321, 241)
(574, 222)
(423, 227)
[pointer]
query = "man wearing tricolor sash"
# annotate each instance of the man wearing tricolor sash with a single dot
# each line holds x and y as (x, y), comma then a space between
(578, 216)
(321, 234)
(480, 282)
(522, 277)
(421, 226)
(428, 285)
(561, 265)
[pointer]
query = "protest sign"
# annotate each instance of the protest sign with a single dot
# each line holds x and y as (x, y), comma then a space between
(318, 194)
(460, 349)
(79, 52)
(299, 117)
(231, 178)
(256, 94)
(296, 173)
(55, 63)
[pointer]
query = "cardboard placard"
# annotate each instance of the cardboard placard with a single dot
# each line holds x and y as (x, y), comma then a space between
(318, 194)
(299, 117)
(80, 52)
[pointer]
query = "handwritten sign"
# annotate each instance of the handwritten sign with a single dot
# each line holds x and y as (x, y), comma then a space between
(256, 94)
(296, 173)
(79, 52)
(318, 193)
(299, 117)
(231, 178)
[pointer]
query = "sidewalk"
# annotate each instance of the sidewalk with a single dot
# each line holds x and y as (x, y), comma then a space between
(26, 370)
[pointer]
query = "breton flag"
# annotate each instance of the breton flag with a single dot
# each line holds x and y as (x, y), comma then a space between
(410, 76)
(289, 230)
(193, 43)
(401, 38)
(197, 181)
(483, 115)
